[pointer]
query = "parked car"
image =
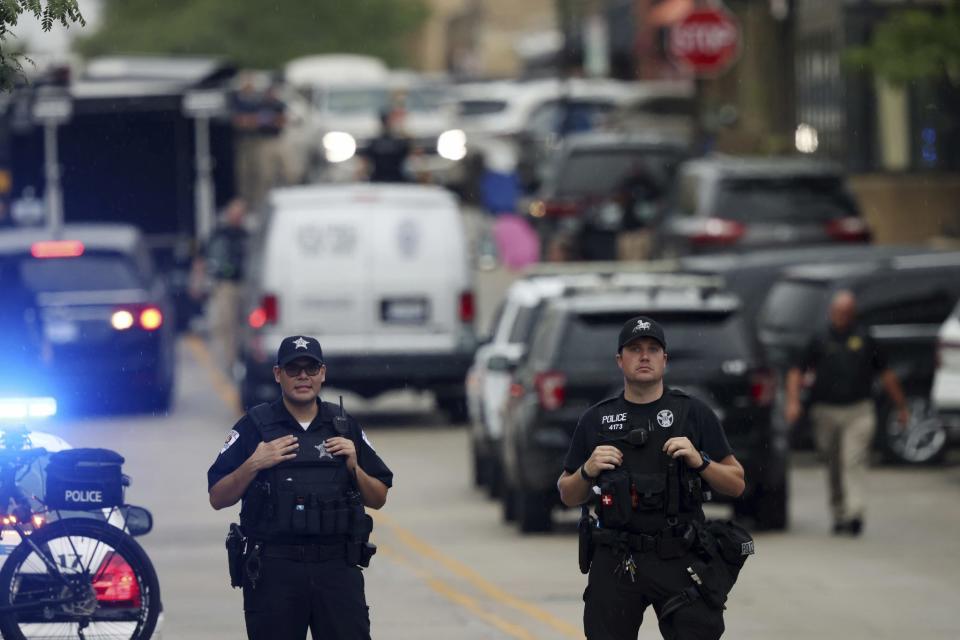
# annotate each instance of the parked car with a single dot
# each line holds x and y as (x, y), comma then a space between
(946, 380)
(379, 274)
(488, 380)
(725, 203)
(571, 365)
(903, 300)
(600, 184)
(105, 314)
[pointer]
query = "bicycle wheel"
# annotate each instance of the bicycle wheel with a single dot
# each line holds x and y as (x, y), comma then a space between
(78, 578)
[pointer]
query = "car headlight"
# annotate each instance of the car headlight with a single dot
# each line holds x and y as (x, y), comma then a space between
(452, 145)
(339, 146)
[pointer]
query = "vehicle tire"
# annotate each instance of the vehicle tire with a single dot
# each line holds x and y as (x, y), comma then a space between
(925, 439)
(495, 482)
(455, 407)
(534, 512)
(770, 507)
(481, 468)
(82, 543)
(508, 502)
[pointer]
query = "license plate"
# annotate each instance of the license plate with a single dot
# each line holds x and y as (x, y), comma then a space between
(405, 310)
(61, 332)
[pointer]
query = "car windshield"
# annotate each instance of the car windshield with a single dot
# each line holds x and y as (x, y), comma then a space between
(372, 100)
(469, 108)
(572, 116)
(85, 273)
(794, 306)
(600, 171)
(592, 338)
(783, 199)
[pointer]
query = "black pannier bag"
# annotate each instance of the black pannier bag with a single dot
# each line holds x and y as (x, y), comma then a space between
(84, 479)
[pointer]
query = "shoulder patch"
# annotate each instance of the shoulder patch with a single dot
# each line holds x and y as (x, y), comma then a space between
(232, 436)
(363, 434)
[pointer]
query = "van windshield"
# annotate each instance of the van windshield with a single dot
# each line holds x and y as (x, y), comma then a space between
(780, 199)
(601, 171)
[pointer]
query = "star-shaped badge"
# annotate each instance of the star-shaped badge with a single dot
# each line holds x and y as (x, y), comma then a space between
(300, 343)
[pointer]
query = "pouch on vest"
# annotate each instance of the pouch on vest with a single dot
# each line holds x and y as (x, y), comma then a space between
(615, 499)
(649, 489)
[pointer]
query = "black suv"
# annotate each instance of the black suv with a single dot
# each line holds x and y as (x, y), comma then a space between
(903, 300)
(571, 365)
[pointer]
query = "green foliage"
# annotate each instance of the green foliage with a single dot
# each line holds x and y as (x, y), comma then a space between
(65, 12)
(257, 33)
(913, 44)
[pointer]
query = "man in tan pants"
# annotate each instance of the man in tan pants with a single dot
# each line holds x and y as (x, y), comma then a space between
(844, 361)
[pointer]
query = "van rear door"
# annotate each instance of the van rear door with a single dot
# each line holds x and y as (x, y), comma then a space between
(320, 273)
(419, 272)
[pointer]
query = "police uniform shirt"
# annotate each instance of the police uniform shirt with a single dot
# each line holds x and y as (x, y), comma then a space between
(243, 439)
(845, 364)
(617, 415)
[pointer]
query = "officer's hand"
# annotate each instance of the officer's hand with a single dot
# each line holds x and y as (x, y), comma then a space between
(683, 448)
(270, 454)
(603, 458)
(340, 446)
(792, 412)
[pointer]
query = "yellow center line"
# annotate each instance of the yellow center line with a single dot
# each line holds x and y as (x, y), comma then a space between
(492, 591)
(457, 597)
(221, 384)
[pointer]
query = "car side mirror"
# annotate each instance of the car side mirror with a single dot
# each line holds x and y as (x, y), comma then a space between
(138, 521)
(501, 363)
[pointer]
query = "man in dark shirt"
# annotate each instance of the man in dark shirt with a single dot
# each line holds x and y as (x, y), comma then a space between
(686, 431)
(388, 152)
(223, 259)
(844, 361)
(306, 577)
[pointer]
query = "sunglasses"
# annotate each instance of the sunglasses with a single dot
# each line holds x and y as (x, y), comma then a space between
(293, 370)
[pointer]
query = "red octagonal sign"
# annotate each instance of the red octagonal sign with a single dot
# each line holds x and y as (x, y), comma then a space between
(706, 40)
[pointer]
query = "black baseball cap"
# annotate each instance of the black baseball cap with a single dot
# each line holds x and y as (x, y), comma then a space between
(294, 347)
(641, 327)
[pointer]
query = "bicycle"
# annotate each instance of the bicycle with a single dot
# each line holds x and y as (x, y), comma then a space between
(74, 576)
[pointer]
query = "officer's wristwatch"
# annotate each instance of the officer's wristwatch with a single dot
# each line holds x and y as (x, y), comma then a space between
(584, 474)
(706, 462)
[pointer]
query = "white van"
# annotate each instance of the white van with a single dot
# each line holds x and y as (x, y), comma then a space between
(379, 274)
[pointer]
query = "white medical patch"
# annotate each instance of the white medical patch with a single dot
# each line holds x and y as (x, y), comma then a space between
(665, 418)
(232, 437)
(363, 434)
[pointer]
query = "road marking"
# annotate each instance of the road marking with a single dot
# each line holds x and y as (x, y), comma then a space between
(491, 590)
(221, 383)
(455, 596)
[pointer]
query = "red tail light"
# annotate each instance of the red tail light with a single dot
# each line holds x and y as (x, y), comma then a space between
(57, 249)
(849, 229)
(516, 390)
(265, 314)
(717, 232)
(763, 387)
(115, 584)
(551, 389)
(467, 309)
(554, 209)
(151, 318)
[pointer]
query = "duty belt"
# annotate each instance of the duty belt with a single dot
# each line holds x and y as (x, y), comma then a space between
(672, 542)
(305, 552)
(636, 541)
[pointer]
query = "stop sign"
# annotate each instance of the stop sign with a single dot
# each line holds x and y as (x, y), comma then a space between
(707, 41)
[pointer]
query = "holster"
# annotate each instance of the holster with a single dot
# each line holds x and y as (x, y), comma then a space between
(359, 548)
(236, 546)
(586, 545)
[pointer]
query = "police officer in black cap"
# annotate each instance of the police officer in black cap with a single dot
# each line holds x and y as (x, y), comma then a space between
(640, 457)
(304, 470)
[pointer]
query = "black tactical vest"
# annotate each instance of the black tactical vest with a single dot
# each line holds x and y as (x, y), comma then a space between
(650, 490)
(311, 495)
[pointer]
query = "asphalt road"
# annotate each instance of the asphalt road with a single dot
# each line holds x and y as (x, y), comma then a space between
(449, 568)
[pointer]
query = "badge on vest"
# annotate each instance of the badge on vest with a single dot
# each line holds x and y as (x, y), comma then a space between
(665, 418)
(854, 343)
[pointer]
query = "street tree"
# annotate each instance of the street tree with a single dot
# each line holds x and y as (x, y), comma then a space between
(914, 44)
(48, 12)
(257, 33)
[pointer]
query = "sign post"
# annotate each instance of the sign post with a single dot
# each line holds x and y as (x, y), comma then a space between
(202, 106)
(52, 110)
(707, 43)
